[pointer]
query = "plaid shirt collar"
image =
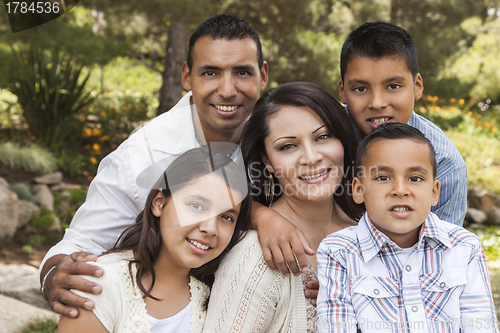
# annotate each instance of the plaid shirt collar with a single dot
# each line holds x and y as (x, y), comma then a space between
(371, 240)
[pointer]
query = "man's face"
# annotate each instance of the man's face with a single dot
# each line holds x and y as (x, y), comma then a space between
(398, 188)
(226, 82)
(379, 91)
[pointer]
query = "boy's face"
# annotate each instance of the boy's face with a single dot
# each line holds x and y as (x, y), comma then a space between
(378, 91)
(397, 187)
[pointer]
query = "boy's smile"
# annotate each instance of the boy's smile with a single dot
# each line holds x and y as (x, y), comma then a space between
(397, 187)
(378, 91)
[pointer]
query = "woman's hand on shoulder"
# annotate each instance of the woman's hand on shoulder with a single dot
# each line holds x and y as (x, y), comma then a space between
(284, 246)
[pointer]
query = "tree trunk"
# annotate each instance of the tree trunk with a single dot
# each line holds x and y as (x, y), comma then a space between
(394, 12)
(171, 88)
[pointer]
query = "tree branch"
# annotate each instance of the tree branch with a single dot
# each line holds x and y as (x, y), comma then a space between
(142, 56)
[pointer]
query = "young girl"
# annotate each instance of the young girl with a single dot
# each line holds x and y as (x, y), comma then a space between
(157, 276)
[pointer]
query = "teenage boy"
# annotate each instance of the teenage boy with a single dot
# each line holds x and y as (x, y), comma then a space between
(402, 269)
(225, 73)
(379, 84)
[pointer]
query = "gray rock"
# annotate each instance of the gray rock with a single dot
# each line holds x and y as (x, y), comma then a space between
(14, 314)
(27, 210)
(21, 282)
(9, 212)
(482, 199)
(474, 198)
(475, 216)
(50, 179)
(44, 195)
(494, 216)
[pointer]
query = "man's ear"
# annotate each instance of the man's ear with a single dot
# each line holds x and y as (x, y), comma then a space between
(157, 204)
(264, 75)
(341, 91)
(186, 76)
(358, 191)
(435, 192)
(419, 86)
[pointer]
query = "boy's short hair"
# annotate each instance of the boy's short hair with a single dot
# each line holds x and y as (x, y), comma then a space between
(393, 131)
(376, 40)
(226, 27)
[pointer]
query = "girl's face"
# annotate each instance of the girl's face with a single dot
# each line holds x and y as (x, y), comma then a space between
(197, 222)
(305, 157)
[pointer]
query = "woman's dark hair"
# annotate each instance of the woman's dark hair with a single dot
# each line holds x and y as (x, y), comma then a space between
(144, 236)
(333, 115)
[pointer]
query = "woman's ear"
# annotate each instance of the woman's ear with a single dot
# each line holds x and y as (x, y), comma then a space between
(269, 166)
(157, 204)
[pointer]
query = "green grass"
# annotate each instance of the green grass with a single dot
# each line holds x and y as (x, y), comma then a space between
(41, 326)
(33, 159)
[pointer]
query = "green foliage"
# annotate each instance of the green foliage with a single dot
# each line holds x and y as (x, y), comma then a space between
(45, 221)
(32, 159)
(78, 195)
(490, 238)
(75, 163)
(35, 241)
(50, 92)
(41, 326)
(10, 110)
(28, 250)
(23, 192)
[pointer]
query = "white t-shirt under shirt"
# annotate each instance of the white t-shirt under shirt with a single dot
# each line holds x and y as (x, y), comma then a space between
(178, 323)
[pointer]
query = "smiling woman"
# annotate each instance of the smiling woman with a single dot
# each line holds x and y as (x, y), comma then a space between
(196, 212)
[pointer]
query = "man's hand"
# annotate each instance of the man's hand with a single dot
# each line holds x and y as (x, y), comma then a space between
(312, 291)
(282, 243)
(65, 277)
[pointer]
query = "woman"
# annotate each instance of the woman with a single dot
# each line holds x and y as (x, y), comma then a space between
(157, 275)
(299, 147)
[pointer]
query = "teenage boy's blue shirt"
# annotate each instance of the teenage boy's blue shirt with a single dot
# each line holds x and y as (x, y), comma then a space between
(451, 172)
(443, 285)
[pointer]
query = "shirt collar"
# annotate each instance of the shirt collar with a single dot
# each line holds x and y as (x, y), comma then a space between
(371, 240)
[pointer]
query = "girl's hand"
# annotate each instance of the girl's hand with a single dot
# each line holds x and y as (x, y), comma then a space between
(283, 244)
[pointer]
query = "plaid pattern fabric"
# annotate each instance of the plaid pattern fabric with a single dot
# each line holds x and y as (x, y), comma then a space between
(366, 283)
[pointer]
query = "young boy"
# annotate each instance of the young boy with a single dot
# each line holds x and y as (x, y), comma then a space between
(379, 84)
(402, 269)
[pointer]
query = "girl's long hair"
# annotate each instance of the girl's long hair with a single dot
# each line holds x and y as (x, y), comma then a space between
(333, 115)
(144, 236)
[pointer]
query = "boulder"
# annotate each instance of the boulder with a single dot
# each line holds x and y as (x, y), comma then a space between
(44, 195)
(21, 282)
(14, 314)
(494, 216)
(27, 210)
(482, 199)
(9, 212)
(50, 179)
(475, 216)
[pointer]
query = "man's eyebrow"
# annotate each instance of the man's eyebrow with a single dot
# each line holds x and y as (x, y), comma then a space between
(356, 81)
(395, 78)
(208, 68)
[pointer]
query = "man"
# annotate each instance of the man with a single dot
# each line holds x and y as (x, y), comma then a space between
(225, 72)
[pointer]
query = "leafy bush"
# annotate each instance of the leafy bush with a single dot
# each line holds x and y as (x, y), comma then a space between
(23, 192)
(45, 221)
(51, 93)
(32, 159)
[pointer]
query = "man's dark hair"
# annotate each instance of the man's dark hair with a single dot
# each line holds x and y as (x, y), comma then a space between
(226, 27)
(376, 40)
(394, 131)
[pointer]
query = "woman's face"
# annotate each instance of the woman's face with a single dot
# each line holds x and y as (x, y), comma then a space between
(305, 157)
(197, 222)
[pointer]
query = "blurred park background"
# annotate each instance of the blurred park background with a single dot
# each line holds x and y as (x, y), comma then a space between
(71, 90)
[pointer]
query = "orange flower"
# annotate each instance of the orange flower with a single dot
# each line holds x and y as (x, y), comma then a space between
(125, 108)
(494, 129)
(87, 131)
(461, 101)
(96, 147)
(452, 100)
(93, 160)
(470, 113)
(423, 110)
(104, 138)
(103, 114)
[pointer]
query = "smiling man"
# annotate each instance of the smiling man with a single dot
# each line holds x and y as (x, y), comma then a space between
(225, 74)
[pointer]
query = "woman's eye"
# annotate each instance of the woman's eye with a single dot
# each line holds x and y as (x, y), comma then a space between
(382, 178)
(196, 205)
(228, 218)
(359, 89)
(323, 137)
(287, 146)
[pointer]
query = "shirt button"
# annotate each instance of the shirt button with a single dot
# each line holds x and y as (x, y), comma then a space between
(442, 284)
(376, 291)
(408, 268)
(414, 309)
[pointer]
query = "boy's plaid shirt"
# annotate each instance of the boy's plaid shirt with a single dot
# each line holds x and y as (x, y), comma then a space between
(442, 287)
